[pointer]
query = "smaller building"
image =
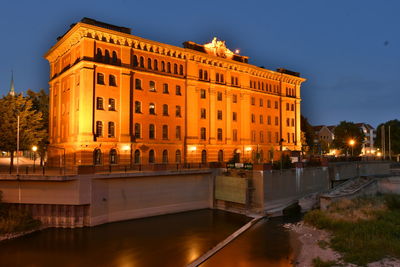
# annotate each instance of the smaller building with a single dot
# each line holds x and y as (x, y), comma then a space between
(368, 147)
(324, 136)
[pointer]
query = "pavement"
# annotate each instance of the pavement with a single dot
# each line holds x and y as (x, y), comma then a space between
(23, 161)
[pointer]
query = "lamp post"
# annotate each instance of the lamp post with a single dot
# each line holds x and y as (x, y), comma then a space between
(351, 143)
(34, 149)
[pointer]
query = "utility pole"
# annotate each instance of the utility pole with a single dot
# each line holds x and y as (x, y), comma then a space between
(18, 145)
(383, 141)
(390, 150)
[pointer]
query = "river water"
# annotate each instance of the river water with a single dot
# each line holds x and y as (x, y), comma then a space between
(169, 240)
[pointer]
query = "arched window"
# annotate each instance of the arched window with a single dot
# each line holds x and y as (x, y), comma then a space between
(204, 156)
(169, 67)
(222, 78)
(178, 156)
(135, 61)
(137, 156)
(217, 77)
(99, 129)
(149, 63)
(221, 156)
(200, 74)
(113, 156)
(97, 157)
(155, 64)
(114, 57)
(152, 109)
(165, 156)
(138, 84)
(112, 81)
(99, 54)
(152, 156)
(111, 129)
(205, 75)
(100, 78)
(152, 86)
(180, 69)
(142, 62)
(107, 56)
(138, 107)
(152, 133)
(162, 66)
(137, 131)
(175, 68)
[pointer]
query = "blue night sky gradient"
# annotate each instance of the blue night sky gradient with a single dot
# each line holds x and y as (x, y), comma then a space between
(348, 50)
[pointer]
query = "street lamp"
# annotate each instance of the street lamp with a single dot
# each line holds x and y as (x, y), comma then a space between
(351, 143)
(34, 149)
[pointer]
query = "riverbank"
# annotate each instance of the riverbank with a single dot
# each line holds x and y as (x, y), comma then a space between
(8, 236)
(351, 233)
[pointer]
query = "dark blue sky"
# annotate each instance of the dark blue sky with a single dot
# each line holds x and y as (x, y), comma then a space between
(348, 50)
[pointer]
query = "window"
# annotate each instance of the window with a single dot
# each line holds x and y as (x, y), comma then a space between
(111, 104)
(165, 88)
(165, 110)
(152, 156)
(287, 106)
(169, 67)
(269, 137)
(217, 77)
(287, 122)
(142, 62)
(219, 96)
(99, 129)
(293, 139)
(100, 78)
(203, 134)
(220, 156)
(155, 64)
(268, 103)
(97, 157)
(288, 137)
(111, 80)
(135, 61)
(202, 93)
(204, 156)
(180, 69)
(107, 56)
(234, 116)
(165, 156)
(152, 133)
(261, 119)
(138, 107)
(234, 135)
(178, 90)
(178, 158)
(201, 74)
(222, 78)
(219, 134)
(261, 137)
(113, 156)
(253, 118)
(178, 132)
(137, 131)
(152, 109)
(205, 75)
(111, 129)
(163, 66)
(114, 57)
(137, 156)
(261, 102)
(253, 136)
(219, 115)
(276, 105)
(276, 137)
(203, 113)
(292, 122)
(276, 121)
(253, 101)
(99, 103)
(269, 120)
(138, 84)
(99, 54)
(234, 98)
(292, 107)
(165, 132)
(177, 111)
(152, 86)
(175, 68)
(149, 63)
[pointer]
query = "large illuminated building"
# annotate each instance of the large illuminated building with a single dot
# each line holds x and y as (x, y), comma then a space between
(116, 98)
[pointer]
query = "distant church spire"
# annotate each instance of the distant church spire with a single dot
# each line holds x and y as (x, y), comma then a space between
(12, 89)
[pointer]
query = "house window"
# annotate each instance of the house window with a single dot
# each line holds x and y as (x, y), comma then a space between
(261, 137)
(178, 90)
(201, 74)
(220, 156)
(165, 156)
(292, 107)
(155, 64)
(219, 96)
(292, 122)
(114, 57)
(276, 137)
(149, 63)
(219, 115)
(111, 129)
(137, 131)
(269, 120)
(287, 106)
(99, 54)
(152, 156)
(97, 157)
(169, 67)
(111, 80)
(253, 101)
(138, 84)
(152, 86)
(219, 134)
(142, 62)
(107, 56)
(152, 109)
(99, 103)
(178, 132)
(204, 156)
(165, 88)
(99, 129)
(180, 69)
(276, 105)
(261, 119)
(152, 133)
(253, 118)
(234, 98)
(234, 135)
(135, 61)
(217, 77)
(205, 75)
(165, 132)
(111, 104)
(163, 66)
(269, 137)
(178, 157)
(100, 78)
(165, 110)
(178, 111)
(253, 136)
(203, 113)
(261, 102)
(288, 137)
(287, 122)
(137, 156)
(234, 116)
(276, 121)
(268, 103)
(293, 139)
(203, 134)
(113, 156)
(138, 107)
(175, 68)
(203, 93)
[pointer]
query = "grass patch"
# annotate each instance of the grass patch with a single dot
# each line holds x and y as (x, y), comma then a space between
(364, 230)
(14, 220)
(323, 244)
(317, 262)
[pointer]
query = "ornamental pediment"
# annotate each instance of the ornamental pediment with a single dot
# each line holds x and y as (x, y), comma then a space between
(218, 48)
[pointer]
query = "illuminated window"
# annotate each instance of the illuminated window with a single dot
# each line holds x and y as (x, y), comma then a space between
(152, 86)
(111, 104)
(111, 129)
(152, 109)
(178, 111)
(99, 103)
(138, 107)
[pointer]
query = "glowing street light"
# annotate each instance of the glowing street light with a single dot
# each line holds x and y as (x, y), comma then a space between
(352, 143)
(34, 149)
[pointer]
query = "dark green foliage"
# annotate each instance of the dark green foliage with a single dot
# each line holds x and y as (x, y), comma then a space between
(309, 134)
(392, 202)
(286, 163)
(344, 132)
(317, 262)
(394, 136)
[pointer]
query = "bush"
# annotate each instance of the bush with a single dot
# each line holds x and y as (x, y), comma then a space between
(392, 202)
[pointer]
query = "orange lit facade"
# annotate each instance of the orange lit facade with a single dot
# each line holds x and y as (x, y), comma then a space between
(116, 98)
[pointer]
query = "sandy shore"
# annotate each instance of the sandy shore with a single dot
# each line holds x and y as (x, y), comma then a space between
(311, 240)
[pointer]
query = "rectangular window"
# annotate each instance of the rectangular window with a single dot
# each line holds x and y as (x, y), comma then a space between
(138, 107)
(288, 138)
(99, 103)
(269, 120)
(152, 86)
(287, 106)
(138, 84)
(203, 93)
(165, 132)
(219, 134)
(234, 135)
(178, 111)
(261, 102)
(234, 98)
(152, 133)
(293, 139)
(165, 110)
(253, 101)
(276, 121)
(203, 134)
(268, 103)
(99, 129)
(219, 96)
(253, 136)
(276, 105)
(276, 137)
(269, 137)
(178, 132)
(165, 88)
(178, 90)
(203, 113)
(137, 131)
(100, 78)
(261, 119)
(234, 116)
(219, 115)
(111, 104)
(261, 137)
(111, 129)
(253, 118)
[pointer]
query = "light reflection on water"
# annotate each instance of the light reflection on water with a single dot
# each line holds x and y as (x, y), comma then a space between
(168, 240)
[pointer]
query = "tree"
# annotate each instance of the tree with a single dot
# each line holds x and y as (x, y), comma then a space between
(394, 136)
(308, 135)
(30, 124)
(40, 103)
(345, 132)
